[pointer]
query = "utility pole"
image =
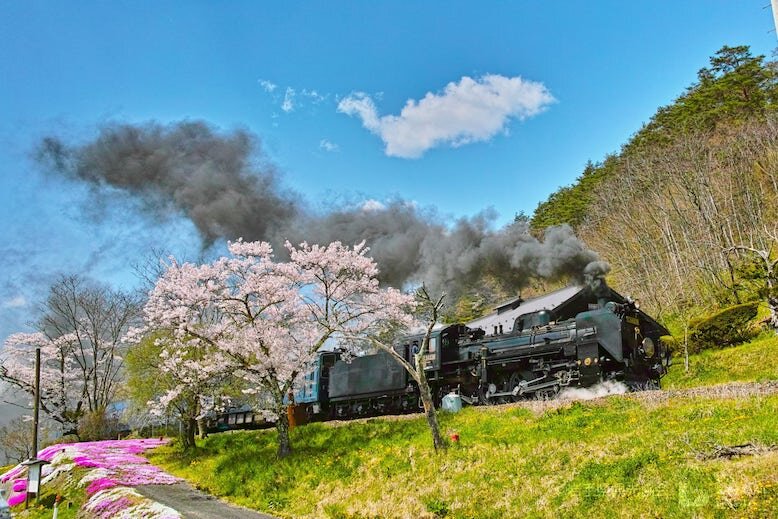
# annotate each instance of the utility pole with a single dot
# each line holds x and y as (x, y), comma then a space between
(36, 405)
(34, 464)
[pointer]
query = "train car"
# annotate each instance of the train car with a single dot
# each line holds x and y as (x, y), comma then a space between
(340, 387)
(234, 418)
(370, 385)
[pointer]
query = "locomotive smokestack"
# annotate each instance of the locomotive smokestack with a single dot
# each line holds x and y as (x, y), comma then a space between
(594, 275)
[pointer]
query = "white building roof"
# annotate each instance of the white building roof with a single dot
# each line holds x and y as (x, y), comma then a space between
(505, 318)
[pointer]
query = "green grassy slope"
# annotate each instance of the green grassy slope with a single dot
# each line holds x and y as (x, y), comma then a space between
(620, 457)
(751, 362)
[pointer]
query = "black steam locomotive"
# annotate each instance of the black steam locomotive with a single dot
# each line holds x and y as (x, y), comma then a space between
(539, 357)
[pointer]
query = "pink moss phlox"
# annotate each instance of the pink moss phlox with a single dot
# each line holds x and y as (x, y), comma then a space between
(100, 484)
(120, 460)
(12, 473)
(84, 461)
(16, 499)
(110, 508)
(49, 452)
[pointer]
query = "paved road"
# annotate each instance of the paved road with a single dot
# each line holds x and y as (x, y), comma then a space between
(193, 504)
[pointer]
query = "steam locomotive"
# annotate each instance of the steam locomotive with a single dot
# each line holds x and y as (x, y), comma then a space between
(541, 355)
(587, 336)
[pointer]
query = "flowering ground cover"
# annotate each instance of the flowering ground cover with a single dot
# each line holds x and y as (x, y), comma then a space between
(107, 471)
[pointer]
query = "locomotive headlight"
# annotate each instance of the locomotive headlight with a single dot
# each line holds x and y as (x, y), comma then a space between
(648, 347)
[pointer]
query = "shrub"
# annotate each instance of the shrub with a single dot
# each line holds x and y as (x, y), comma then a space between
(673, 344)
(726, 327)
(97, 425)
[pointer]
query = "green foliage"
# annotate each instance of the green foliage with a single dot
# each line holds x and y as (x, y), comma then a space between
(727, 327)
(621, 457)
(145, 381)
(466, 308)
(734, 88)
(436, 507)
(750, 362)
(97, 425)
(71, 498)
(569, 204)
(673, 344)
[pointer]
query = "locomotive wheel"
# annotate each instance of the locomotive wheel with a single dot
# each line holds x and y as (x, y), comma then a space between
(516, 378)
(547, 393)
(513, 382)
(483, 395)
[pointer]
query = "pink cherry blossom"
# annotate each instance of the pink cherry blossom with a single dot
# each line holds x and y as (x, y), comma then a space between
(263, 320)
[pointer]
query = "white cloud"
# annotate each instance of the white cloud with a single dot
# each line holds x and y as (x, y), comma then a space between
(288, 104)
(472, 110)
(269, 86)
(372, 205)
(15, 302)
(326, 145)
(314, 95)
(290, 99)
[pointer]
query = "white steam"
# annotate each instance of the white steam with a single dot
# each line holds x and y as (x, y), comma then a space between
(608, 387)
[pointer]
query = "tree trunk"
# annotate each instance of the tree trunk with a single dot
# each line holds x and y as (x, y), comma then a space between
(202, 429)
(772, 302)
(282, 426)
(188, 437)
(426, 396)
(431, 415)
(421, 375)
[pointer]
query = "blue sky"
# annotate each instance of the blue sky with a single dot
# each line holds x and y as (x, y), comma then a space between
(519, 95)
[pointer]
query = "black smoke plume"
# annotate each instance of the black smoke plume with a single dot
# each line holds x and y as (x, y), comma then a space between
(223, 184)
(215, 180)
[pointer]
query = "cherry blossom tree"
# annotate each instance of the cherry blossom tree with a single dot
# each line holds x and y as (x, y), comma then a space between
(267, 319)
(81, 335)
(169, 377)
(60, 385)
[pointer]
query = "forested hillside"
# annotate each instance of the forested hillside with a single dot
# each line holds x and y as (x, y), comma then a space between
(686, 212)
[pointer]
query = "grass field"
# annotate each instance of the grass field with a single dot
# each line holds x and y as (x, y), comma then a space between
(647, 455)
(751, 362)
(613, 458)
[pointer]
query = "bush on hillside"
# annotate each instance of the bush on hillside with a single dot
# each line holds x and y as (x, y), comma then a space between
(727, 327)
(673, 344)
(97, 425)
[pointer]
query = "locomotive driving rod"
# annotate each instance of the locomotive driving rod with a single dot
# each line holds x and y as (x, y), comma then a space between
(527, 386)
